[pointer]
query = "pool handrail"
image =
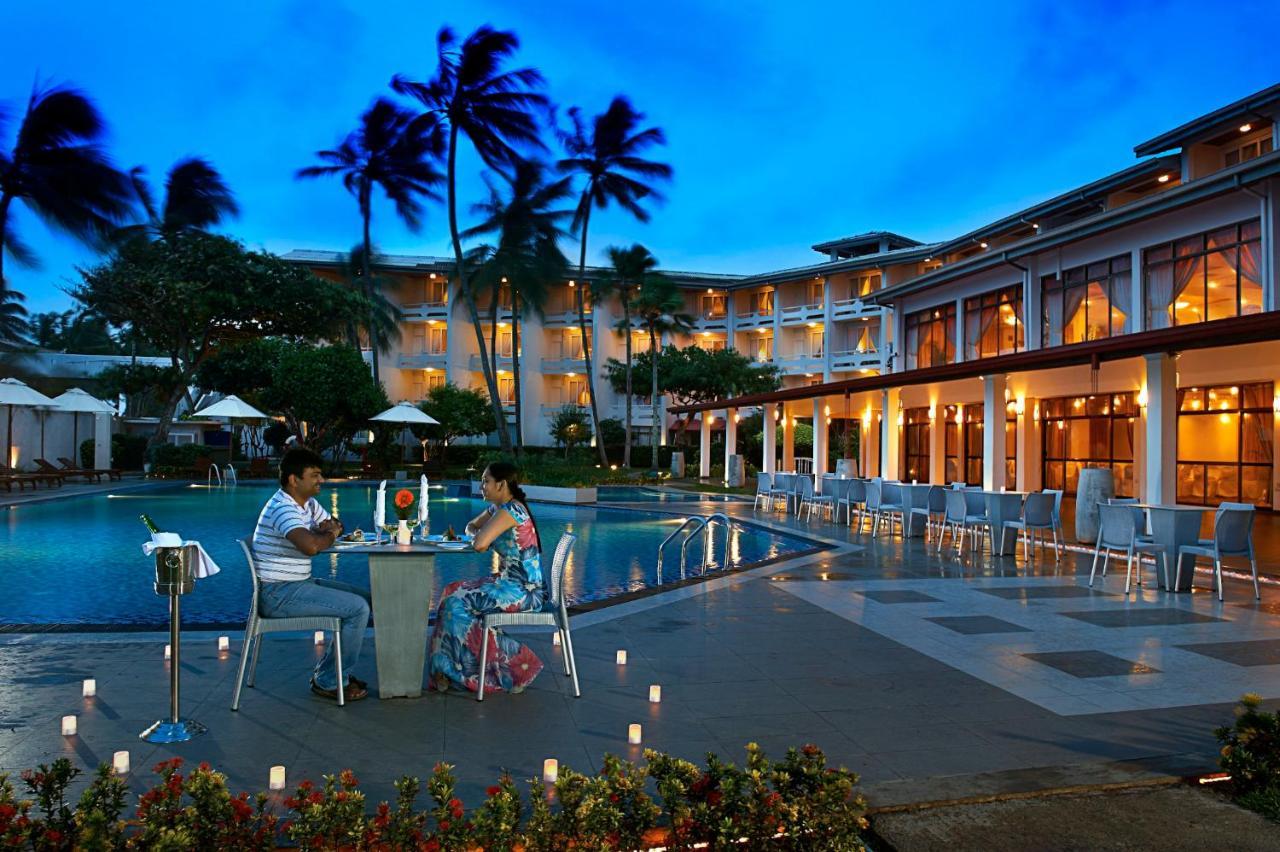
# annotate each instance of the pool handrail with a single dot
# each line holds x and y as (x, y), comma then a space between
(701, 523)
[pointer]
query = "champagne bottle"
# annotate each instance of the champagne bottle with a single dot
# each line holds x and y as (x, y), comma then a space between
(150, 524)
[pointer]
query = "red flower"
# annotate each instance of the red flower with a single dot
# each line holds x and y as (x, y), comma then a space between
(526, 536)
(525, 666)
(404, 498)
(492, 791)
(444, 825)
(714, 797)
(455, 808)
(348, 778)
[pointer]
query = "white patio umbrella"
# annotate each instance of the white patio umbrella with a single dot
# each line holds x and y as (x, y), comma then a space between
(77, 402)
(12, 393)
(232, 408)
(407, 414)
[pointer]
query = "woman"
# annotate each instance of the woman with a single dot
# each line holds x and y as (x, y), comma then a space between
(508, 526)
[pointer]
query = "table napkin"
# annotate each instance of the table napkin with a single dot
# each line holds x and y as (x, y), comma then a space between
(205, 566)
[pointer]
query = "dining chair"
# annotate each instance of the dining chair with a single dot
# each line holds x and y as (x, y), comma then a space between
(976, 522)
(554, 614)
(1037, 516)
(780, 489)
(953, 519)
(854, 500)
(764, 484)
(1118, 531)
(934, 509)
(832, 490)
(1057, 512)
(1232, 536)
(890, 507)
(803, 493)
(258, 624)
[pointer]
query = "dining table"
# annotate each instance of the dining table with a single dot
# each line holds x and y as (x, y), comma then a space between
(401, 577)
(1175, 525)
(1003, 506)
(915, 495)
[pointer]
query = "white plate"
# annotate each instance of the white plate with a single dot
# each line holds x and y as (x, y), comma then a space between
(452, 545)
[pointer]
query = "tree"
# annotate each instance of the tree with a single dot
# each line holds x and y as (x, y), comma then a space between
(193, 292)
(244, 368)
(461, 412)
(494, 109)
(73, 331)
(59, 171)
(382, 324)
(397, 151)
(570, 427)
(145, 387)
(631, 267)
(527, 254)
(658, 307)
(608, 155)
(195, 199)
(13, 317)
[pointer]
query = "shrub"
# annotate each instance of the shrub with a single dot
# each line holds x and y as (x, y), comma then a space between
(128, 452)
(180, 456)
(1251, 755)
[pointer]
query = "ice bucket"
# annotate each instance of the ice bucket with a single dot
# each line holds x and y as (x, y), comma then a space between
(175, 570)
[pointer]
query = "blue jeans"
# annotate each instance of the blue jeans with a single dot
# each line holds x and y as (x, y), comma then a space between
(316, 596)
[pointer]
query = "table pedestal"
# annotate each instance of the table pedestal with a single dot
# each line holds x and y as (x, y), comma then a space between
(1175, 527)
(400, 585)
(1001, 507)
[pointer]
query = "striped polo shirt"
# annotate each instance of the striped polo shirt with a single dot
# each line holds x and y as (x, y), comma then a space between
(278, 560)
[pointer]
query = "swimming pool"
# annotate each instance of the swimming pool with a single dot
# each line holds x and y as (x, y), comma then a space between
(638, 494)
(78, 560)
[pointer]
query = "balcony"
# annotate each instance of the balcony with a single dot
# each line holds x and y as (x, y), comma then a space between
(803, 361)
(641, 413)
(562, 319)
(425, 311)
(754, 319)
(801, 314)
(866, 358)
(855, 309)
(504, 313)
(421, 360)
(712, 322)
(504, 363)
(562, 366)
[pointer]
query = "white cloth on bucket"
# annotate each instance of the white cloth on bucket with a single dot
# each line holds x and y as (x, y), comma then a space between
(205, 566)
(380, 506)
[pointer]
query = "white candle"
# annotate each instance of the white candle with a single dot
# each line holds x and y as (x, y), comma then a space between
(68, 726)
(555, 639)
(277, 778)
(622, 658)
(550, 770)
(90, 688)
(168, 652)
(120, 762)
(633, 734)
(655, 694)
(333, 503)
(319, 637)
(224, 643)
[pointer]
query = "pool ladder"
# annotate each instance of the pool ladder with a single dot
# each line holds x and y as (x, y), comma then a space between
(693, 525)
(215, 474)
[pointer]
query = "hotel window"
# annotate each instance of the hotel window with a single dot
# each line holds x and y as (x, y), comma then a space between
(423, 385)
(817, 342)
(1010, 444)
(1088, 431)
(575, 391)
(430, 340)
(1225, 447)
(504, 342)
(710, 344)
(714, 305)
(993, 323)
(915, 444)
(865, 284)
(817, 293)
(1088, 302)
(973, 425)
(435, 291)
(763, 348)
(931, 337)
(1205, 277)
(507, 390)
(1247, 149)
(571, 345)
(762, 303)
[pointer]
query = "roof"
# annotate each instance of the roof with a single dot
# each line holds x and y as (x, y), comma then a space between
(894, 241)
(831, 267)
(1263, 104)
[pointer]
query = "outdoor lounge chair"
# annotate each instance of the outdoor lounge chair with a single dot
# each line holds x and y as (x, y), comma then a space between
(24, 478)
(69, 467)
(46, 467)
(1037, 516)
(1118, 530)
(1232, 536)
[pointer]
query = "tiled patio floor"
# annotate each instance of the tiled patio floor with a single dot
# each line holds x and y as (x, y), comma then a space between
(932, 677)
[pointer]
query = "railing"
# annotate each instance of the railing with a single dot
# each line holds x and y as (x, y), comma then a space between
(853, 359)
(854, 309)
(418, 360)
(477, 363)
(559, 318)
(214, 473)
(426, 311)
(698, 524)
(751, 319)
(230, 477)
(712, 320)
(562, 365)
(802, 313)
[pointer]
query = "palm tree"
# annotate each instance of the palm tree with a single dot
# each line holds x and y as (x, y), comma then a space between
(631, 266)
(382, 325)
(527, 254)
(657, 306)
(196, 198)
(608, 156)
(59, 171)
(495, 110)
(13, 318)
(397, 151)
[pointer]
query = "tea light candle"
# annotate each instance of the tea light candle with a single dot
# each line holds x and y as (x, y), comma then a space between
(120, 762)
(319, 637)
(168, 652)
(277, 778)
(224, 643)
(622, 658)
(633, 734)
(333, 504)
(90, 688)
(913, 482)
(68, 726)
(550, 770)
(655, 694)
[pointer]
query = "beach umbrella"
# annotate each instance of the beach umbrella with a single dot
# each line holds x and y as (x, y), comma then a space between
(406, 414)
(77, 402)
(14, 393)
(232, 408)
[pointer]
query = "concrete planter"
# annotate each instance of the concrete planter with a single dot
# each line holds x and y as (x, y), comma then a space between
(550, 494)
(1096, 485)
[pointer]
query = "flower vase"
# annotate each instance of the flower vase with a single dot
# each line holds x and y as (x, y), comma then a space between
(403, 534)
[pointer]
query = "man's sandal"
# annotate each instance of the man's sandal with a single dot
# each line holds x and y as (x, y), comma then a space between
(353, 691)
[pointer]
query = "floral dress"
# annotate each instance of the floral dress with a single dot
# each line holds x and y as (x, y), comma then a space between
(455, 640)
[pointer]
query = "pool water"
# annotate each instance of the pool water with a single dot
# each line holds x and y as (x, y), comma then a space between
(79, 560)
(635, 494)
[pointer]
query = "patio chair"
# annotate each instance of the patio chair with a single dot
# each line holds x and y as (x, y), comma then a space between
(780, 489)
(764, 482)
(976, 522)
(258, 624)
(1118, 531)
(49, 469)
(802, 494)
(70, 467)
(1232, 536)
(934, 510)
(1037, 516)
(853, 499)
(885, 506)
(832, 489)
(553, 614)
(953, 519)
(1057, 511)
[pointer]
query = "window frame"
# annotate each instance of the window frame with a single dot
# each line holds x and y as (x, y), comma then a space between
(1057, 284)
(990, 302)
(1239, 409)
(931, 320)
(1051, 414)
(1202, 254)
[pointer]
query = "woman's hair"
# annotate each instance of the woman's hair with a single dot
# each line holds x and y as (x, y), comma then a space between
(504, 471)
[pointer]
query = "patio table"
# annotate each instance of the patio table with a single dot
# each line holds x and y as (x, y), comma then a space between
(400, 580)
(915, 495)
(1003, 506)
(1174, 526)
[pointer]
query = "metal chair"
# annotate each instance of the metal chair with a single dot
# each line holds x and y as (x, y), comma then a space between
(780, 489)
(1232, 536)
(1118, 530)
(934, 510)
(1037, 516)
(803, 494)
(258, 624)
(554, 614)
(764, 485)
(832, 488)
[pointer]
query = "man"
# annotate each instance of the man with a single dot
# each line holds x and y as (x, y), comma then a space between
(292, 528)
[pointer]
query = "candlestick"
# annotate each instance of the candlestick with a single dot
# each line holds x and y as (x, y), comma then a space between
(224, 643)
(622, 658)
(319, 637)
(68, 726)
(90, 688)
(120, 762)
(633, 734)
(550, 770)
(655, 694)
(276, 781)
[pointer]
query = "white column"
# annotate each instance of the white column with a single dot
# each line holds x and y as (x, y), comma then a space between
(704, 455)
(769, 432)
(937, 471)
(870, 446)
(1161, 429)
(993, 416)
(730, 438)
(788, 440)
(890, 433)
(820, 433)
(101, 442)
(1029, 448)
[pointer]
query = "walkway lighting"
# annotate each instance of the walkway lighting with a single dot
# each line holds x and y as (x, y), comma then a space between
(319, 637)
(168, 652)
(224, 643)
(90, 688)
(276, 779)
(550, 770)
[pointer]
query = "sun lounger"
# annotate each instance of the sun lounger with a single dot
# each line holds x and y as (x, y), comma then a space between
(113, 472)
(45, 467)
(23, 479)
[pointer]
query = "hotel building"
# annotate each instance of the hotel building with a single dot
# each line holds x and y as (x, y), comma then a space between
(1129, 323)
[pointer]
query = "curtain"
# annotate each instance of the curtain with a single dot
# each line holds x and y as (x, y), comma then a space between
(1073, 297)
(989, 317)
(1257, 438)
(1051, 334)
(1122, 296)
(1165, 283)
(1249, 264)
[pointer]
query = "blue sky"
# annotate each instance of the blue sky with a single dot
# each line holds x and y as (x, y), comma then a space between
(788, 123)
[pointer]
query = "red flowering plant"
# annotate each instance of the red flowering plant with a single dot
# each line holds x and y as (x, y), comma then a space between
(402, 828)
(404, 501)
(608, 811)
(495, 825)
(48, 783)
(453, 832)
(331, 817)
(98, 813)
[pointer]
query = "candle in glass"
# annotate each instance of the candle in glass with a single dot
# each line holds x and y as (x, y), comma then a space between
(120, 762)
(550, 770)
(319, 638)
(633, 734)
(90, 688)
(276, 781)
(655, 694)
(68, 726)
(224, 643)
(621, 658)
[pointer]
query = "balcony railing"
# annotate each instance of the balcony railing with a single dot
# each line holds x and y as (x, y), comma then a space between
(802, 361)
(754, 319)
(802, 313)
(559, 319)
(866, 358)
(421, 360)
(853, 309)
(560, 366)
(423, 311)
(712, 320)
(477, 364)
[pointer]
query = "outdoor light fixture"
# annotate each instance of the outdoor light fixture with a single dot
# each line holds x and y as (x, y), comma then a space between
(1020, 406)
(709, 290)
(68, 726)
(1246, 127)
(572, 284)
(168, 652)
(826, 409)
(737, 418)
(90, 688)
(1162, 179)
(984, 245)
(319, 637)
(276, 779)
(224, 642)
(555, 639)
(1142, 396)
